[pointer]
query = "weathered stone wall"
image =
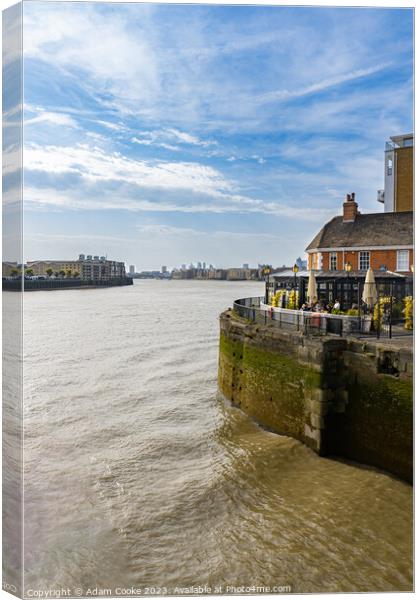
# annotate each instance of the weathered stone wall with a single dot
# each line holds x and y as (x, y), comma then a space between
(338, 396)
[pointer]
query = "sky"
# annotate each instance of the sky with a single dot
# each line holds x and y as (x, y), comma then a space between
(170, 134)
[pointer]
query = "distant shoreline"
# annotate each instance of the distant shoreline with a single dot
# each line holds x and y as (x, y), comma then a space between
(33, 285)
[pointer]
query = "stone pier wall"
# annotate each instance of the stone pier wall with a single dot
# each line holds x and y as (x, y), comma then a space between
(338, 396)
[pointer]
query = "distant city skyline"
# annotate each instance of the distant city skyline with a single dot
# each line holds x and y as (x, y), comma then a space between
(226, 132)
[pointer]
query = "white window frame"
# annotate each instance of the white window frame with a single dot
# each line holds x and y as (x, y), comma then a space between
(319, 261)
(364, 260)
(333, 257)
(403, 260)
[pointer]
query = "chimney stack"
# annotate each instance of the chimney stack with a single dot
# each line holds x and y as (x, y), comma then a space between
(350, 209)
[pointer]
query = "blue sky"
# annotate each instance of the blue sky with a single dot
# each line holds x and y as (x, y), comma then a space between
(164, 134)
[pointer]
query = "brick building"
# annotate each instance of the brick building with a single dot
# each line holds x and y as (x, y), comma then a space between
(383, 241)
(87, 268)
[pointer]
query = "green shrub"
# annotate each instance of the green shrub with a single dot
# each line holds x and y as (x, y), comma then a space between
(408, 312)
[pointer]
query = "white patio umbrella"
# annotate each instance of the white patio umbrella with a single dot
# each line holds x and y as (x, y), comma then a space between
(370, 294)
(311, 294)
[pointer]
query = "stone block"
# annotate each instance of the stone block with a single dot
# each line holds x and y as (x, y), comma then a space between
(319, 408)
(317, 421)
(312, 438)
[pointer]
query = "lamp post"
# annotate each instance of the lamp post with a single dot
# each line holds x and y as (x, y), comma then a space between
(295, 270)
(266, 272)
(412, 283)
(347, 268)
(390, 309)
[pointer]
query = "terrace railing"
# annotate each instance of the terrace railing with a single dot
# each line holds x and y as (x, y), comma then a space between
(253, 309)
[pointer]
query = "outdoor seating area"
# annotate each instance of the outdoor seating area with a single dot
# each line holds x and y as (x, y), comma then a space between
(343, 286)
(379, 306)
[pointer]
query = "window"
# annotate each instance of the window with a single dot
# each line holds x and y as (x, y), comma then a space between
(319, 260)
(364, 260)
(389, 166)
(333, 261)
(403, 260)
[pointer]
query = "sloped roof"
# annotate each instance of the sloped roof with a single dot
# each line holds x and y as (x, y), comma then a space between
(375, 229)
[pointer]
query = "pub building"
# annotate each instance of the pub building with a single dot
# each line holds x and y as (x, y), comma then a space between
(344, 249)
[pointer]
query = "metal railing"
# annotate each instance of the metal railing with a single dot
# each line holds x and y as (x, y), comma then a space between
(313, 323)
(292, 320)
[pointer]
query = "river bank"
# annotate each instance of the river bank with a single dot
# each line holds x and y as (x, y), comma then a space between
(339, 396)
(15, 285)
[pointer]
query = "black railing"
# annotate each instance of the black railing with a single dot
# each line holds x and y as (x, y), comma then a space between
(315, 323)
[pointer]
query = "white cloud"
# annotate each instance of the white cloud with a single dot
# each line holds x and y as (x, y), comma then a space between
(165, 138)
(80, 37)
(52, 118)
(110, 125)
(170, 230)
(95, 165)
(180, 73)
(322, 85)
(49, 198)
(187, 138)
(152, 142)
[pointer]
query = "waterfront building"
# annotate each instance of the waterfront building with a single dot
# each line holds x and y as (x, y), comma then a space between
(397, 195)
(218, 274)
(89, 268)
(238, 274)
(346, 247)
(42, 267)
(382, 241)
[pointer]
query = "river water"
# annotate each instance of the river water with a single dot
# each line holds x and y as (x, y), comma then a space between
(137, 473)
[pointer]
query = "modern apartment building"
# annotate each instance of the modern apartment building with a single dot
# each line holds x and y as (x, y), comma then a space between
(397, 195)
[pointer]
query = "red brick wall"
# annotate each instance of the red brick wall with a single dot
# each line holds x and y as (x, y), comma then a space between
(378, 258)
